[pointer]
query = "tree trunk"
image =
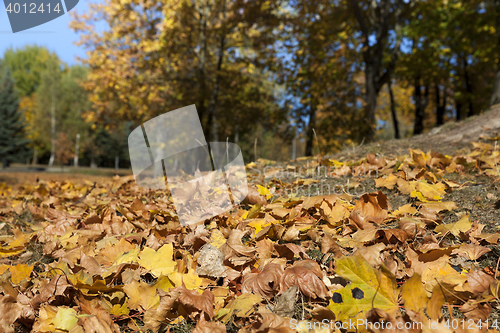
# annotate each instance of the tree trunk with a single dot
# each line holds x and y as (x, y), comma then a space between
(393, 112)
(93, 164)
(420, 105)
(237, 135)
(377, 23)
(310, 129)
(203, 13)
(458, 106)
(495, 95)
(468, 87)
(371, 102)
(212, 123)
(35, 157)
(440, 106)
(77, 150)
(52, 129)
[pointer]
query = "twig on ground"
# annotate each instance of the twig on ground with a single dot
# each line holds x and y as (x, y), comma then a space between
(85, 195)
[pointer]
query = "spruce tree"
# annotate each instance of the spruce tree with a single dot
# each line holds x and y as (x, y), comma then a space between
(13, 142)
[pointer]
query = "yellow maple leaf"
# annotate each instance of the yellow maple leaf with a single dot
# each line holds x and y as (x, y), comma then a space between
(141, 295)
(461, 225)
(414, 295)
(217, 239)
(264, 191)
(127, 257)
(158, 262)
(20, 272)
(369, 288)
(429, 191)
(241, 306)
(65, 319)
(43, 322)
(258, 224)
(191, 280)
(388, 182)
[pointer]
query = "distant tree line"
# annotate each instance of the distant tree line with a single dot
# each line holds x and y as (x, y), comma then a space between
(51, 106)
(264, 73)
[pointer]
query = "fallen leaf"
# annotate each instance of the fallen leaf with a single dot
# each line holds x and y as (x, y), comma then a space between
(265, 283)
(11, 311)
(158, 262)
(65, 319)
(414, 294)
(241, 306)
(307, 275)
(369, 288)
(462, 225)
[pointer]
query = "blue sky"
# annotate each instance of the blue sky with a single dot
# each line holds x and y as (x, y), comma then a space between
(55, 35)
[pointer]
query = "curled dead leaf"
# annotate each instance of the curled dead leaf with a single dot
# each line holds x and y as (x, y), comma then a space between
(195, 303)
(204, 326)
(479, 281)
(266, 283)
(11, 311)
(370, 208)
(307, 275)
(379, 162)
(254, 197)
(476, 311)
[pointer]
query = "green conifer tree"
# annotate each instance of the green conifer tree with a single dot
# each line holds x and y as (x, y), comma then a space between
(13, 142)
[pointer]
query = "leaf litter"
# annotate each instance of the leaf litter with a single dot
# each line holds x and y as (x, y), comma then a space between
(111, 257)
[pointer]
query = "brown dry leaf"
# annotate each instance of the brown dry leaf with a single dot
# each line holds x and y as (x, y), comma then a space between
(99, 320)
(204, 326)
(193, 302)
(436, 207)
(334, 214)
(290, 251)
(112, 251)
(394, 236)
(380, 162)
(265, 248)
(329, 245)
(371, 207)
(254, 197)
(412, 226)
(119, 182)
(56, 287)
(234, 246)
(307, 275)
(476, 311)
(372, 253)
(285, 303)
(472, 251)
(90, 264)
(272, 323)
(479, 281)
(61, 221)
(388, 182)
(265, 284)
(387, 323)
(11, 311)
(154, 318)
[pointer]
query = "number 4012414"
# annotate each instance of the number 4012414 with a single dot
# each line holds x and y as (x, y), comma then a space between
(31, 8)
